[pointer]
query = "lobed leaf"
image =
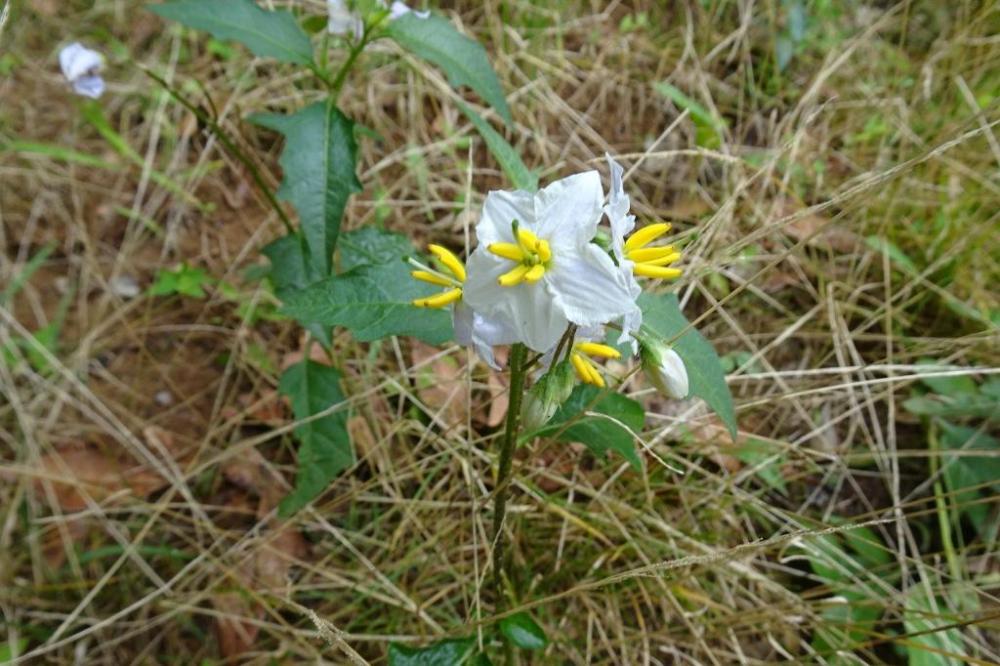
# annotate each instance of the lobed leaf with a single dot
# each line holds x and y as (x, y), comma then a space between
(269, 34)
(371, 246)
(662, 316)
(463, 60)
(372, 301)
(324, 444)
(319, 173)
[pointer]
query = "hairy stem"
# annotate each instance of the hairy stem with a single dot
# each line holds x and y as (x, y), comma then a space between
(518, 353)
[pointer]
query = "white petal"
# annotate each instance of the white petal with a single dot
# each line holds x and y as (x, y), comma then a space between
(631, 322)
(481, 333)
(89, 86)
(76, 61)
(342, 21)
(500, 209)
(401, 8)
(569, 210)
(588, 287)
(525, 309)
(672, 375)
(617, 210)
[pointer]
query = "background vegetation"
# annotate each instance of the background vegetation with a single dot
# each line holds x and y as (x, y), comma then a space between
(832, 167)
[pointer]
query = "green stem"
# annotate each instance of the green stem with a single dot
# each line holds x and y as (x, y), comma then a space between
(345, 69)
(518, 353)
(229, 145)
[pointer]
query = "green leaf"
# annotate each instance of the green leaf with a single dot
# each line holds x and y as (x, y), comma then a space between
(289, 273)
(318, 163)
(950, 386)
(183, 280)
(11, 650)
(444, 653)
(710, 127)
(324, 444)
(373, 302)
(266, 33)
(956, 406)
(370, 246)
(597, 433)
(662, 316)
(868, 545)
(520, 176)
(523, 631)
(463, 60)
(944, 647)
(756, 451)
(847, 622)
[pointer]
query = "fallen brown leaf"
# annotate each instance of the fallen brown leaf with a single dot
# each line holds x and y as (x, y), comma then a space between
(76, 473)
(441, 383)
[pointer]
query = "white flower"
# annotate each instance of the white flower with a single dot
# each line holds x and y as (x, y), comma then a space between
(343, 21)
(665, 369)
(546, 274)
(80, 66)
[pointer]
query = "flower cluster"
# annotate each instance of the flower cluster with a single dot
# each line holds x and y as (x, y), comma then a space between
(539, 278)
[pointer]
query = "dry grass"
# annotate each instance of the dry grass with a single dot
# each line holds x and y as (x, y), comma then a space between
(885, 124)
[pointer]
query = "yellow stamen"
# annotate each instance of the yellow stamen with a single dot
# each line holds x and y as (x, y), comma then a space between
(534, 273)
(646, 235)
(439, 301)
(663, 261)
(451, 262)
(582, 367)
(433, 278)
(514, 277)
(544, 251)
(646, 270)
(649, 253)
(507, 251)
(586, 370)
(597, 349)
(527, 240)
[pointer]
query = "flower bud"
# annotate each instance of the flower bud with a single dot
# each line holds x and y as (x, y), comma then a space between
(665, 369)
(546, 396)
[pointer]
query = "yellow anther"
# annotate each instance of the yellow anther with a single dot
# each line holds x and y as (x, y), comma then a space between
(433, 278)
(514, 277)
(510, 251)
(663, 261)
(647, 270)
(597, 349)
(439, 301)
(534, 273)
(451, 262)
(527, 240)
(544, 251)
(646, 254)
(646, 235)
(582, 367)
